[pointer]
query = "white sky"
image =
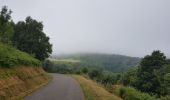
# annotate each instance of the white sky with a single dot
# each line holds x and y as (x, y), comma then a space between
(129, 27)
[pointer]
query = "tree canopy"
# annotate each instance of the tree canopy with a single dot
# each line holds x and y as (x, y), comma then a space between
(6, 25)
(29, 37)
(151, 76)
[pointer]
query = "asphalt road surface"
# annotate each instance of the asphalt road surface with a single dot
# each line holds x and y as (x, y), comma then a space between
(62, 87)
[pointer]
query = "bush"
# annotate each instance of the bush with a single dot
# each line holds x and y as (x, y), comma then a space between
(129, 93)
(95, 74)
(10, 56)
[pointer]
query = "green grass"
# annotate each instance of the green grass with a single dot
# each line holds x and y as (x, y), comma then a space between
(10, 56)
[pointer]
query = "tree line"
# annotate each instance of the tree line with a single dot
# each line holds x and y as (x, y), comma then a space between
(27, 36)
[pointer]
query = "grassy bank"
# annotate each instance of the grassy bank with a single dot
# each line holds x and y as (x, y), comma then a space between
(10, 57)
(94, 91)
(17, 82)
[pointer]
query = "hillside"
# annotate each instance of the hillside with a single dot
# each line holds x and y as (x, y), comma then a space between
(23, 48)
(10, 57)
(111, 62)
(20, 73)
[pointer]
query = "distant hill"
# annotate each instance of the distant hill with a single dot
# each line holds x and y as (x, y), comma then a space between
(110, 62)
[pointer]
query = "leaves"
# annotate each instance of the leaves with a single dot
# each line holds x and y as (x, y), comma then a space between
(6, 26)
(29, 37)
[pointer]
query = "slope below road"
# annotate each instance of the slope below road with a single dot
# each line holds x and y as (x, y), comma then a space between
(62, 87)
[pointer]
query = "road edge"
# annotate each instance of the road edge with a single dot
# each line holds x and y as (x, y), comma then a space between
(26, 93)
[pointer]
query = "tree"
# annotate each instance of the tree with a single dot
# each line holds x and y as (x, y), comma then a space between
(130, 77)
(29, 37)
(6, 25)
(163, 76)
(147, 77)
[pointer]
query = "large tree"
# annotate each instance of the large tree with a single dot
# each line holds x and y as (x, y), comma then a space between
(29, 37)
(6, 25)
(147, 72)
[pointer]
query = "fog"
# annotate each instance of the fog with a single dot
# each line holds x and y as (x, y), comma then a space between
(127, 27)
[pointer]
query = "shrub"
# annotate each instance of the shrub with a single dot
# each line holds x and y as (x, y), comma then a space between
(129, 93)
(95, 74)
(10, 56)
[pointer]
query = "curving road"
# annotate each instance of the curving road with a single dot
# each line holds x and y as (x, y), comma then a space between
(62, 87)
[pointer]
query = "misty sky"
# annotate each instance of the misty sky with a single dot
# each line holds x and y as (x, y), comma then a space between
(129, 27)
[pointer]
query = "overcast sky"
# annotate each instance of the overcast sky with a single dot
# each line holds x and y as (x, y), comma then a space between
(128, 27)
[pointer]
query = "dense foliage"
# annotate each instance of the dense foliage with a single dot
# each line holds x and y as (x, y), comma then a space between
(114, 63)
(6, 25)
(26, 36)
(152, 75)
(29, 37)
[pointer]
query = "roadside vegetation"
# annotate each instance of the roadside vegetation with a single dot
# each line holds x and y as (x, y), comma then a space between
(129, 93)
(151, 76)
(94, 91)
(23, 48)
(15, 83)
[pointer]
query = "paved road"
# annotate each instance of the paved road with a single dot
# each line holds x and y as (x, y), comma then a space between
(62, 87)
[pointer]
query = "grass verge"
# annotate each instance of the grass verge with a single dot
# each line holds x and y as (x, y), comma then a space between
(94, 91)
